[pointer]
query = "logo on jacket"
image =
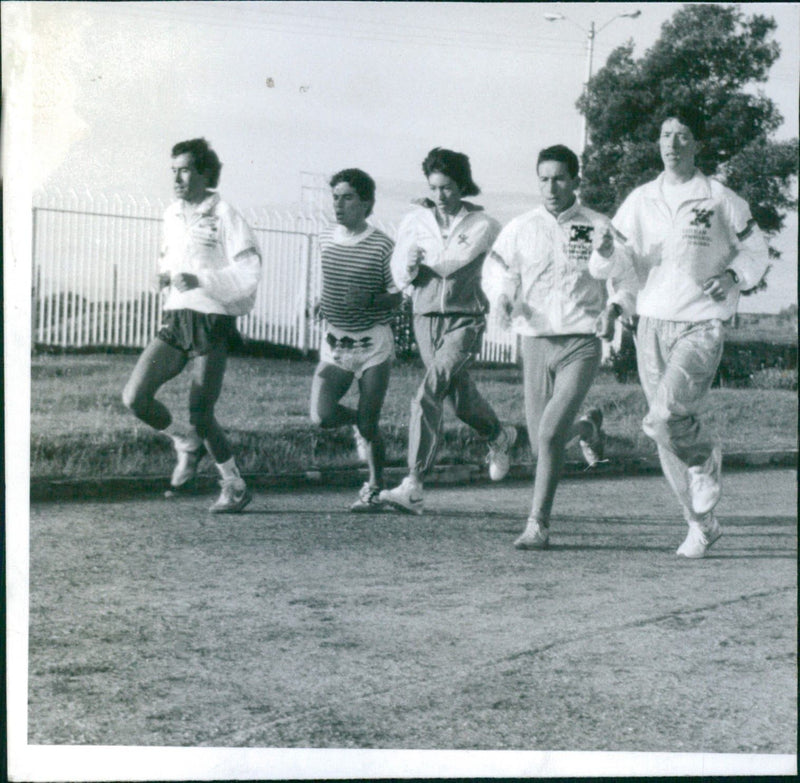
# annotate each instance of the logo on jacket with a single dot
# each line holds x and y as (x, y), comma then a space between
(579, 247)
(462, 239)
(205, 231)
(702, 217)
(580, 233)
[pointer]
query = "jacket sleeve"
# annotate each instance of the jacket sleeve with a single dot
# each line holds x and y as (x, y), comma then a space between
(236, 281)
(618, 269)
(386, 266)
(500, 275)
(405, 247)
(750, 259)
(239, 278)
(456, 255)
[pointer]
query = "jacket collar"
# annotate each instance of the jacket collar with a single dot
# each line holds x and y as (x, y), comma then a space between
(205, 207)
(701, 186)
(565, 216)
(429, 204)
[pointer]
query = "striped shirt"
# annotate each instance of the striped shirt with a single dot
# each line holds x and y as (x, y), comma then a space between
(360, 263)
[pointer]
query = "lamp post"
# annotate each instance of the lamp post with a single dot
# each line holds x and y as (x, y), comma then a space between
(591, 34)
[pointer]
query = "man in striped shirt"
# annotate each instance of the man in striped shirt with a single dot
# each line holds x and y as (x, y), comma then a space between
(358, 296)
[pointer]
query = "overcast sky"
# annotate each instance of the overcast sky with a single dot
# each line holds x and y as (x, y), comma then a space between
(284, 87)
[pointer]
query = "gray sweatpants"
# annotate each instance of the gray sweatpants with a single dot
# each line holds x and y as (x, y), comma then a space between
(677, 363)
(447, 345)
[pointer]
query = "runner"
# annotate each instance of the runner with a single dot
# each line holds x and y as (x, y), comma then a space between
(358, 297)
(538, 283)
(440, 250)
(210, 265)
(694, 247)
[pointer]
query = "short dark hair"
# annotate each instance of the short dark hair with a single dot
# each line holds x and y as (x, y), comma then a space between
(686, 115)
(205, 159)
(454, 165)
(560, 154)
(360, 181)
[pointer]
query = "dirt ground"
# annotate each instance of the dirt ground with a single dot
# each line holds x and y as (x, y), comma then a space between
(300, 625)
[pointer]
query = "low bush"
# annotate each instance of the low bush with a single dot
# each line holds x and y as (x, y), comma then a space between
(741, 361)
(774, 378)
(743, 364)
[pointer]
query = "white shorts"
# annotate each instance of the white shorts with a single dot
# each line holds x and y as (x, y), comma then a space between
(357, 351)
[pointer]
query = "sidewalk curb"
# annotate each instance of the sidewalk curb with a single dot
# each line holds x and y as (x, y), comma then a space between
(44, 489)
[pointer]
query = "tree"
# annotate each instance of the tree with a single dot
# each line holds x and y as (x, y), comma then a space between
(705, 58)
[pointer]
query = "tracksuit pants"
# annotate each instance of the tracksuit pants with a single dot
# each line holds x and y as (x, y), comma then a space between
(447, 345)
(677, 362)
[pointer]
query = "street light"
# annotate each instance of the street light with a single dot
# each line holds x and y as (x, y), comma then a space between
(591, 33)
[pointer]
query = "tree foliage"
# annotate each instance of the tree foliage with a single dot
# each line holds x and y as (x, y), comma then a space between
(707, 62)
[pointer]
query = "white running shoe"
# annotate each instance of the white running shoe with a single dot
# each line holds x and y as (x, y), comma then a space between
(190, 451)
(535, 536)
(405, 497)
(700, 538)
(362, 445)
(704, 483)
(368, 500)
(593, 448)
(498, 457)
(234, 497)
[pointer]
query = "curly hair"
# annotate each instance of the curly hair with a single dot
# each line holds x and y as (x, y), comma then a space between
(360, 181)
(454, 165)
(205, 159)
(560, 154)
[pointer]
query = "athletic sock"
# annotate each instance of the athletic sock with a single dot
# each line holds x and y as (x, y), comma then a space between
(175, 432)
(228, 470)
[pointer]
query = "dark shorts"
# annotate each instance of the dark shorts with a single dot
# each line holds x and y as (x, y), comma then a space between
(197, 334)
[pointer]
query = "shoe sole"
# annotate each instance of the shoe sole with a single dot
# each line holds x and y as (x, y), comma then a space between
(376, 509)
(198, 456)
(182, 490)
(233, 509)
(711, 541)
(545, 545)
(508, 469)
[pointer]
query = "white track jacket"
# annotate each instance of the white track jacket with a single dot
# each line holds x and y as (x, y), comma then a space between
(217, 246)
(541, 263)
(673, 255)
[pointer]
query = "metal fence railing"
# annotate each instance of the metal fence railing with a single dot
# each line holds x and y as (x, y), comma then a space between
(94, 260)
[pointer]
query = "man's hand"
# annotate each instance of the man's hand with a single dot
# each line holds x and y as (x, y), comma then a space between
(358, 297)
(504, 309)
(604, 243)
(604, 325)
(162, 280)
(717, 287)
(416, 255)
(185, 281)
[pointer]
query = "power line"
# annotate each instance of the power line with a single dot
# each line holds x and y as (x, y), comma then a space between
(441, 38)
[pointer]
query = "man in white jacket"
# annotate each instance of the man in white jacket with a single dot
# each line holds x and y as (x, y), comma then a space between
(211, 265)
(694, 247)
(538, 283)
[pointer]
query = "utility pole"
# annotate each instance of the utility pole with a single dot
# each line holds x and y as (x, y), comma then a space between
(591, 35)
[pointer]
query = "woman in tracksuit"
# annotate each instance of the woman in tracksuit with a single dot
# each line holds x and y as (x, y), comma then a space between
(438, 257)
(694, 247)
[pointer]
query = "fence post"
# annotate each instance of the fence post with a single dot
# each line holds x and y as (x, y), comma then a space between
(34, 279)
(306, 309)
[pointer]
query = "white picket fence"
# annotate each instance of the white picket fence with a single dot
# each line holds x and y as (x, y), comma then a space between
(94, 261)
